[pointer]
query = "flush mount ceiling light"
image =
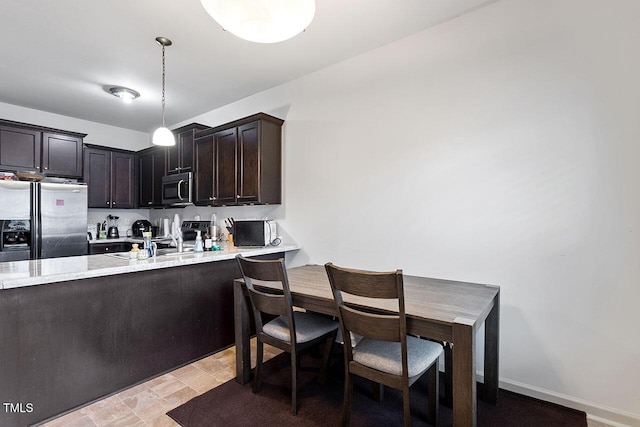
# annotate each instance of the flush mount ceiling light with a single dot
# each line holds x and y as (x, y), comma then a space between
(124, 93)
(162, 135)
(262, 21)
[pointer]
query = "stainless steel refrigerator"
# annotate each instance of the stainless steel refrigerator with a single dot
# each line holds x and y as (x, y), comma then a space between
(42, 220)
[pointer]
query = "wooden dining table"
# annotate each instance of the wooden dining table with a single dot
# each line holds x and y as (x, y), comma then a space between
(447, 311)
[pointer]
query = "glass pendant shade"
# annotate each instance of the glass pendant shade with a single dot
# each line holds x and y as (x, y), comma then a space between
(262, 21)
(163, 136)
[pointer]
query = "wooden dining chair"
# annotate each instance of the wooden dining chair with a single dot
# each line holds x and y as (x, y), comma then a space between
(291, 331)
(386, 355)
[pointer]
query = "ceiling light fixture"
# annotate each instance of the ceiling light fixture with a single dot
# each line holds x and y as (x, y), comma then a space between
(262, 21)
(162, 135)
(124, 93)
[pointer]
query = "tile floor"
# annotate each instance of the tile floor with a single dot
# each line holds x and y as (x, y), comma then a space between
(147, 404)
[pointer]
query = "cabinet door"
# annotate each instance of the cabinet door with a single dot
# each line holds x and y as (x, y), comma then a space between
(61, 155)
(151, 165)
(225, 144)
(180, 156)
(204, 174)
(122, 180)
(173, 159)
(186, 142)
(248, 163)
(97, 175)
(20, 149)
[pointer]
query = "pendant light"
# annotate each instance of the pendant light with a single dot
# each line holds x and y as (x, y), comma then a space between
(162, 135)
(262, 21)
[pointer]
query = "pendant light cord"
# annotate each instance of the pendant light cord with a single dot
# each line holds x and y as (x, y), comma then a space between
(163, 76)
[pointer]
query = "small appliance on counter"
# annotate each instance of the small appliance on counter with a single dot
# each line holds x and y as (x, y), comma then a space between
(141, 226)
(190, 228)
(113, 233)
(254, 232)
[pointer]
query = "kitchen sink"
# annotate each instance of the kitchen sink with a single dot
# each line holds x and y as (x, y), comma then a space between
(173, 251)
(161, 253)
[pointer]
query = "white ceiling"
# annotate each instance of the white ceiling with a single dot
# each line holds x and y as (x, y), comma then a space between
(60, 56)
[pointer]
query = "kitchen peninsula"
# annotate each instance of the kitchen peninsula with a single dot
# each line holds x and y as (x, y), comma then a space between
(77, 329)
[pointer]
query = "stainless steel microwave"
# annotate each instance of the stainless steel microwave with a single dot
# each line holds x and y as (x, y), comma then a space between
(177, 189)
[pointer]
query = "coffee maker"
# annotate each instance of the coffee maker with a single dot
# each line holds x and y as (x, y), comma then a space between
(112, 232)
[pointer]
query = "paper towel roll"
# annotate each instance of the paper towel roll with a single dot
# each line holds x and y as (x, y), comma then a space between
(177, 225)
(165, 227)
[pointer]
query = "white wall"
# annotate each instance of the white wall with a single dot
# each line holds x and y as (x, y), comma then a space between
(500, 147)
(97, 133)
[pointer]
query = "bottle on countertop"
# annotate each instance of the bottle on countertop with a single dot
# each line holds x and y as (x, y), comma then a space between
(198, 245)
(133, 254)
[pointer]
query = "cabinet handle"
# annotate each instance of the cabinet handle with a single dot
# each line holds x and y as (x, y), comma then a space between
(113, 203)
(149, 203)
(108, 203)
(212, 198)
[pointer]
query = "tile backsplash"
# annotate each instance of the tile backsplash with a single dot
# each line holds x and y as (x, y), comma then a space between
(126, 218)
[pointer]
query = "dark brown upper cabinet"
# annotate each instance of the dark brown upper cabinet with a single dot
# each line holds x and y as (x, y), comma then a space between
(151, 169)
(240, 163)
(52, 152)
(180, 156)
(110, 176)
(61, 155)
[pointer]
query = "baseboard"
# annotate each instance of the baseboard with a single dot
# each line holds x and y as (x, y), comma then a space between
(603, 414)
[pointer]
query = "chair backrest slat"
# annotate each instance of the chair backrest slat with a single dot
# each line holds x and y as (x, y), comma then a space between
(365, 283)
(268, 271)
(269, 303)
(272, 301)
(363, 320)
(387, 327)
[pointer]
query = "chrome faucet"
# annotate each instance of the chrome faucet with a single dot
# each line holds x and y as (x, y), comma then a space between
(177, 242)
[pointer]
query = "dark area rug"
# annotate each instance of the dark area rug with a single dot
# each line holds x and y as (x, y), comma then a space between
(232, 404)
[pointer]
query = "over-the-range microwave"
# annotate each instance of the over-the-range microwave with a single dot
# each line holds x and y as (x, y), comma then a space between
(176, 189)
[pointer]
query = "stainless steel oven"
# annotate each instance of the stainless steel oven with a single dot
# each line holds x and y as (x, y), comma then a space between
(177, 188)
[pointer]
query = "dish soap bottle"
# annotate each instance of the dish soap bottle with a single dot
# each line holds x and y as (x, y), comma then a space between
(198, 245)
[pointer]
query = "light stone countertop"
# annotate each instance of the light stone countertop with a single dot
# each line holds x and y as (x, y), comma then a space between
(19, 274)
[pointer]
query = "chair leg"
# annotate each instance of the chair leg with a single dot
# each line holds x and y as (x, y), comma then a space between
(447, 399)
(259, 356)
(406, 406)
(294, 383)
(348, 393)
(326, 357)
(433, 375)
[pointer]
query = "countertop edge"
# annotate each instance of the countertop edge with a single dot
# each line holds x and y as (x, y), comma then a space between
(90, 266)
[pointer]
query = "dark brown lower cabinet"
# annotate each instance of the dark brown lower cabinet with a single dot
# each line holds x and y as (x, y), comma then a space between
(108, 247)
(69, 343)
